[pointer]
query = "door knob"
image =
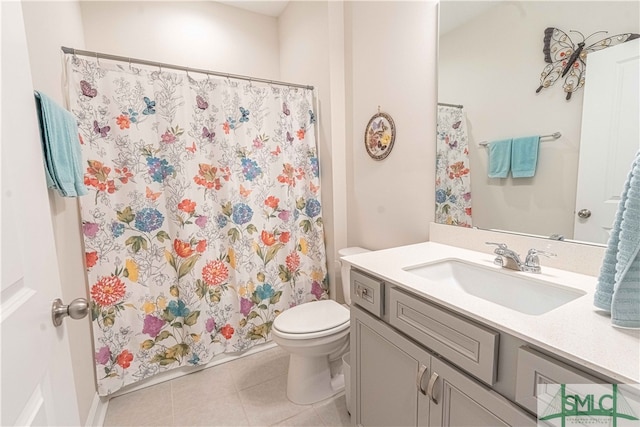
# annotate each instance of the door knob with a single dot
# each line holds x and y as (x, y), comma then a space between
(77, 309)
(584, 213)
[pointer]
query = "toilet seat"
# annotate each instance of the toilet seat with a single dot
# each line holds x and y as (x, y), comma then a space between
(312, 320)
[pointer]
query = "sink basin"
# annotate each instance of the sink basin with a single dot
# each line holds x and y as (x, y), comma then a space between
(508, 289)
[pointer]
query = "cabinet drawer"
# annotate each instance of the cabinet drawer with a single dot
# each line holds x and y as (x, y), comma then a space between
(367, 292)
(535, 368)
(472, 347)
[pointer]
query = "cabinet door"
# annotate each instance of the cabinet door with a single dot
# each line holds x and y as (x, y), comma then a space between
(460, 401)
(387, 371)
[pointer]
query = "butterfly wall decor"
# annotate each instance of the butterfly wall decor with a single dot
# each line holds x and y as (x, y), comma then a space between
(569, 60)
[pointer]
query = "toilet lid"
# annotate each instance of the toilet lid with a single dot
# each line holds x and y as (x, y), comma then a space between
(312, 317)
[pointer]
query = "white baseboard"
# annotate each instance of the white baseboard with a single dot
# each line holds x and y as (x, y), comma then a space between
(97, 412)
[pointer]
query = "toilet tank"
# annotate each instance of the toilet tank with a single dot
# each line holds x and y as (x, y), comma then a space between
(345, 269)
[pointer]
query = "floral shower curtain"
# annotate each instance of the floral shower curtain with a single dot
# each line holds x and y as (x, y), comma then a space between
(453, 178)
(203, 220)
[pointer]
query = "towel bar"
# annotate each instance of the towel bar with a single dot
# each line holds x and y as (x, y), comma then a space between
(554, 135)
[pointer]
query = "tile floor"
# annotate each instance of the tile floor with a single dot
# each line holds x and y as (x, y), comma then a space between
(250, 391)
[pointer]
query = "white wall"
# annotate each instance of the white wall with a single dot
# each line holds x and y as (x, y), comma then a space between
(48, 26)
(197, 34)
(391, 50)
(492, 66)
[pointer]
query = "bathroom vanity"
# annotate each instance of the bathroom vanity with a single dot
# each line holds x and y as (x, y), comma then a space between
(440, 336)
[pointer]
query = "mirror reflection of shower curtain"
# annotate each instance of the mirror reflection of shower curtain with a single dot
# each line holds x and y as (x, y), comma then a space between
(453, 176)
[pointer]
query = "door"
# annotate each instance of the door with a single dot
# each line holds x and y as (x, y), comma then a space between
(37, 378)
(460, 401)
(610, 137)
(388, 373)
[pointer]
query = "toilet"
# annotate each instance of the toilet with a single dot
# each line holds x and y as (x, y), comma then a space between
(311, 333)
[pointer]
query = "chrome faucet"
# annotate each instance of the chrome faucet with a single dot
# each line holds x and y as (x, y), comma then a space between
(508, 258)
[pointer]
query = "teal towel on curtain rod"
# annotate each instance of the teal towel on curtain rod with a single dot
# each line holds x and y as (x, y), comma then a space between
(61, 148)
(618, 288)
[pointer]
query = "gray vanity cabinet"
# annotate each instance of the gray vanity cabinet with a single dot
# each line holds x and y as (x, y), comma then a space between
(393, 377)
(397, 377)
(387, 371)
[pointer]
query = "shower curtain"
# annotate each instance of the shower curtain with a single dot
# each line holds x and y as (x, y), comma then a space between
(203, 220)
(453, 177)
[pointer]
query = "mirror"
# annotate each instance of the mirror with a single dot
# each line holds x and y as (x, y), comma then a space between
(490, 61)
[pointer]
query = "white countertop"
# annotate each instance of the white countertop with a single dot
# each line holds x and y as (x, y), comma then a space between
(576, 331)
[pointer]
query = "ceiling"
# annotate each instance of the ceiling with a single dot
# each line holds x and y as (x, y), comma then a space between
(266, 7)
(468, 11)
(456, 13)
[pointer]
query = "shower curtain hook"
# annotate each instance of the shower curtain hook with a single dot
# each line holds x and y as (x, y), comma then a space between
(97, 59)
(129, 64)
(228, 79)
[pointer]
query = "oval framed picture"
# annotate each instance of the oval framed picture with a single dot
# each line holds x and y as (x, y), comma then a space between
(379, 136)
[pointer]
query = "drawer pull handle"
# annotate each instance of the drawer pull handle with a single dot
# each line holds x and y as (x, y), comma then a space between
(421, 373)
(432, 382)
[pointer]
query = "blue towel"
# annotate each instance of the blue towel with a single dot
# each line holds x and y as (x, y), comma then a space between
(61, 148)
(524, 156)
(618, 288)
(499, 158)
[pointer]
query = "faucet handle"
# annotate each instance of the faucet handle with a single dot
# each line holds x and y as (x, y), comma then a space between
(499, 245)
(532, 263)
(533, 252)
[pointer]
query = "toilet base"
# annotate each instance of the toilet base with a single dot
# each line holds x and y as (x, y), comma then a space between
(309, 380)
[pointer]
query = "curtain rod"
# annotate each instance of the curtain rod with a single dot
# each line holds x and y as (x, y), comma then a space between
(444, 104)
(161, 65)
